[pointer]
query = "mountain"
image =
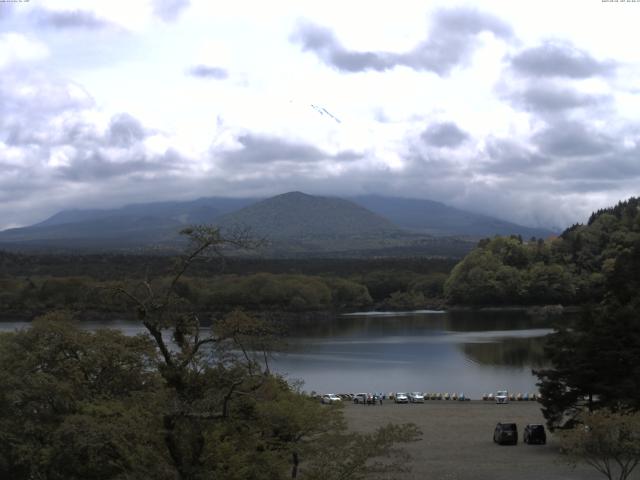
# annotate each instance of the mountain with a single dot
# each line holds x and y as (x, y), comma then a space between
(435, 218)
(202, 210)
(298, 216)
(294, 223)
(131, 226)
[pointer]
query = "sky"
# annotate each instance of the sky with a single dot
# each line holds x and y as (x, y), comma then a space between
(528, 110)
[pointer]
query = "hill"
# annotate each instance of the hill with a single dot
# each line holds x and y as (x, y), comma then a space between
(129, 227)
(298, 216)
(435, 218)
(580, 266)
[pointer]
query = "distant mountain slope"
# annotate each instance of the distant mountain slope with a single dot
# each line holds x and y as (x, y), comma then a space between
(295, 224)
(297, 216)
(435, 218)
(202, 210)
(132, 226)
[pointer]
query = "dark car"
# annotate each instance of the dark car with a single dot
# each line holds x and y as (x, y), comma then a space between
(506, 433)
(534, 433)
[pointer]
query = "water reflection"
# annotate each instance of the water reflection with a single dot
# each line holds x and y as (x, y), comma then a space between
(472, 352)
(513, 351)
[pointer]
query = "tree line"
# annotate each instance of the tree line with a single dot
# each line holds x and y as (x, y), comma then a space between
(571, 269)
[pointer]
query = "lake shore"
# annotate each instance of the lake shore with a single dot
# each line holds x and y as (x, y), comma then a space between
(457, 441)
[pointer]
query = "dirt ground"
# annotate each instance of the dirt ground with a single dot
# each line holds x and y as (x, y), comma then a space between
(457, 441)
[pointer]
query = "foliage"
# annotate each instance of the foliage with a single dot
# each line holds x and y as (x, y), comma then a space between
(179, 402)
(596, 363)
(607, 441)
(572, 269)
(76, 404)
(215, 291)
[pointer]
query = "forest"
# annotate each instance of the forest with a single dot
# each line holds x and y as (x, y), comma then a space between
(32, 285)
(571, 269)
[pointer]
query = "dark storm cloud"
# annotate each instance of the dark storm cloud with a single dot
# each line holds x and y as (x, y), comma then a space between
(169, 10)
(446, 134)
(450, 42)
(553, 99)
(559, 59)
(69, 19)
(206, 71)
(257, 149)
(572, 139)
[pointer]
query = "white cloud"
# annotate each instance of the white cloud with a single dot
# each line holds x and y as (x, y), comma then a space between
(150, 109)
(17, 48)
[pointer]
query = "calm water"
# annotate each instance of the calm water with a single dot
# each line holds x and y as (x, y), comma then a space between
(429, 351)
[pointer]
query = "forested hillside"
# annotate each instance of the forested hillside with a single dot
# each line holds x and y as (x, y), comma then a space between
(570, 269)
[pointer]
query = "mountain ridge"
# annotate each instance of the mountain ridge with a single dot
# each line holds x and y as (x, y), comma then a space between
(294, 222)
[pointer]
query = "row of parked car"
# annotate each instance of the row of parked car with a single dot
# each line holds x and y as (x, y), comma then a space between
(397, 397)
(507, 434)
(503, 396)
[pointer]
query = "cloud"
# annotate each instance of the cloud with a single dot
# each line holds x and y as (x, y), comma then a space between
(17, 48)
(446, 134)
(125, 130)
(572, 139)
(507, 157)
(49, 139)
(169, 10)
(547, 98)
(70, 19)
(560, 59)
(206, 71)
(264, 150)
(451, 41)
(6, 10)
(95, 165)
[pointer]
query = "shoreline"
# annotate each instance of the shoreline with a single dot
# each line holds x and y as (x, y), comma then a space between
(319, 315)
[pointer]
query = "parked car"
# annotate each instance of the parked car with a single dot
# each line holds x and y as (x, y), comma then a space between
(330, 398)
(401, 397)
(505, 433)
(360, 398)
(534, 433)
(416, 397)
(502, 396)
(367, 398)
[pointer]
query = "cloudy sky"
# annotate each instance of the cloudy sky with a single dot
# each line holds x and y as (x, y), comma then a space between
(525, 110)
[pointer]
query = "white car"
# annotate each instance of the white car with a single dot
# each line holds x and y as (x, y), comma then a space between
(330, 398)
(502, 396)
(416, 397)
(401, 397)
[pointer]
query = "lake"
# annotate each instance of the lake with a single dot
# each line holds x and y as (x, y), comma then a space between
(470, 352)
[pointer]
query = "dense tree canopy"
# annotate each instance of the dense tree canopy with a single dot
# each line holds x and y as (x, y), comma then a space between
(596, 362)
(178, 402)
(571, 269)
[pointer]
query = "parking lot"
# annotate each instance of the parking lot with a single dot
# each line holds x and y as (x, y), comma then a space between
(457, 441)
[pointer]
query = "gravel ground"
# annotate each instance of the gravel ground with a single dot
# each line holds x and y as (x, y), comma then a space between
(457, 441)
